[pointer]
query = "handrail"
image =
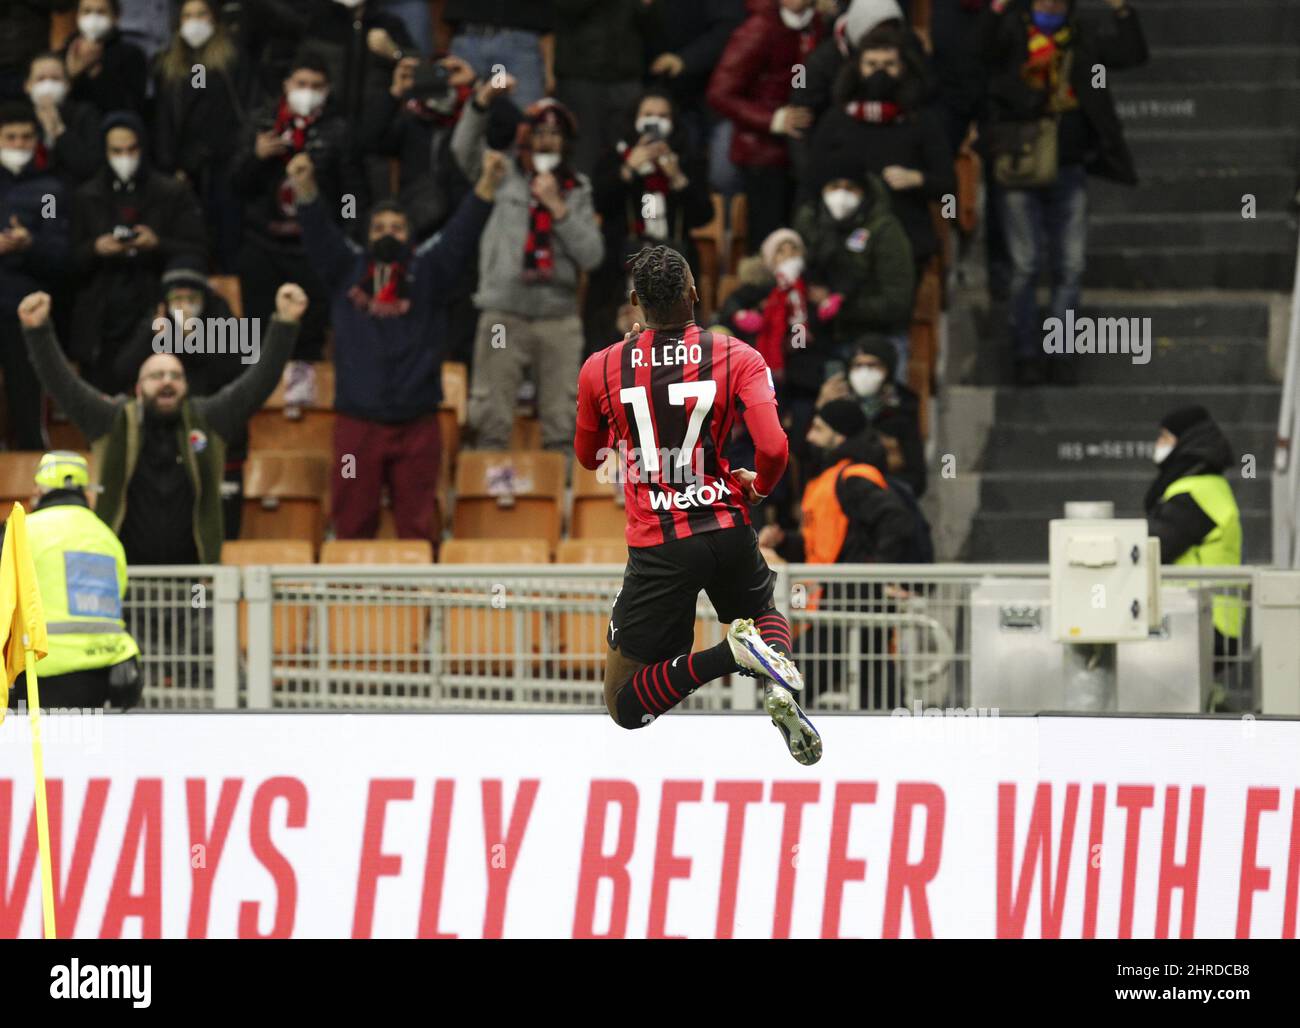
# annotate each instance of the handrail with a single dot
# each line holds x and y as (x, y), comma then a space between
(1286, 469)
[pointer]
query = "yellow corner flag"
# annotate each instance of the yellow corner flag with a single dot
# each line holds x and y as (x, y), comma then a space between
(23, 643)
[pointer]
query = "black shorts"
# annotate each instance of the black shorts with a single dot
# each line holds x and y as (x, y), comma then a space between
(654, 611)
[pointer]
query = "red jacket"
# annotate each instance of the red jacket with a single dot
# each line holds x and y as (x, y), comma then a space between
(753, 78)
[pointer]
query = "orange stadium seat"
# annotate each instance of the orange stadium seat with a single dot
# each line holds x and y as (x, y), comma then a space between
(582, 635)
(455, 389)
(284, 495)
(509, 494)
(709, 242)
(390, 627)
(288, 621)
(526, 433)
(481, 630)
(598, 511)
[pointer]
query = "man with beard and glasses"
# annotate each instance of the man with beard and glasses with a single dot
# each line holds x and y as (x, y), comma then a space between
(388, 307)
(159, 455)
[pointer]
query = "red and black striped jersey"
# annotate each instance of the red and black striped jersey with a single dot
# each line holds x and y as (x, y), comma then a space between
(667, 402)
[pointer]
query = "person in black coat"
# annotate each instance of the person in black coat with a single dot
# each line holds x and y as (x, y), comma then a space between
(24, 33)
(879, 117)
(198, 121)
(106, 71)
(70, 145)
(128, 221)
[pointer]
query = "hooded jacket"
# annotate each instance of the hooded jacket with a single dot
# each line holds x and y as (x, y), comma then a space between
(1179, 521)
(41, 266)
(1114, 40)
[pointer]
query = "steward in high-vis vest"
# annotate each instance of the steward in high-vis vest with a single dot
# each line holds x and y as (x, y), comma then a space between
(850, 513)
(1191, 509)
(81, 574)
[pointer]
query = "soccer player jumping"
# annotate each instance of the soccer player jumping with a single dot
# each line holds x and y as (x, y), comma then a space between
(667, 398)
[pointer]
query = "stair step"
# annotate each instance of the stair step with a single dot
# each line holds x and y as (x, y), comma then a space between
(1018, 538)
(1205, 105)
(1193, 189)
(1087, 449)
(1233, 22)
(1171, 362)
(1274, 63)
(1224, 230)
(1192, 317)
(1191, 267)
(1107, 405)
(1156, 149)
(1047, 492)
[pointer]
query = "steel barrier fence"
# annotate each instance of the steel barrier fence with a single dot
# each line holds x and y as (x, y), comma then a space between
(469, 637)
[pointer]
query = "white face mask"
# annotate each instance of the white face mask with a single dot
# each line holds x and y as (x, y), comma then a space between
(305, 102)
(124, 167)
(13, 159)
(350, 3)
(653, 121)
(197, 31)
(1161, 451)
(49, 91)
(866, 381)
(545, 163)
(841, 202)
(94, 26)
(789, 270)
(796, 21)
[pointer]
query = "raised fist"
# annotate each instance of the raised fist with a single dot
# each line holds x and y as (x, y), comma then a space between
(290, 302)
(34, 310)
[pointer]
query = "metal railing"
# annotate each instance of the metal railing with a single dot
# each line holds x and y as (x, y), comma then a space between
(533, 637)
(1286, 463)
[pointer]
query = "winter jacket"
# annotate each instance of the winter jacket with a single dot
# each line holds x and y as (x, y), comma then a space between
(696, 31)
(1179, 522)
(899, 417)
(339, 36)
(866, 258)
(531, 15)
(577, 239)
(389, 368)
(195, 129)
(752, 82)
(603, 40)
(45, 263)
(120, 84)
(79, 151)
(25, 31)
(1114, 40)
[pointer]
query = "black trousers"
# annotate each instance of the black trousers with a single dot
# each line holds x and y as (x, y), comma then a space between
(22, 390)
(75, 689)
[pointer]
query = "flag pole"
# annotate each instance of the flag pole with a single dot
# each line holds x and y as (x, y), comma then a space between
(42, 811)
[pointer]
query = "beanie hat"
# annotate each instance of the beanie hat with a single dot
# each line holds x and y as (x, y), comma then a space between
(1180, 420)
(883, 350)
(549, 111)
(845, 416)
(865, 15)
(770, 244)
(185, 272)
(125, 119)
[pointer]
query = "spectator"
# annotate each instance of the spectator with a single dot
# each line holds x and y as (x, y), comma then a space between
(389, 331)
(359, 44)
(858, 251)
(106, 71)
(751, 87)
(24, 33)
(269, 34)
(650, 189)
(892, 408)
(878, 124)
(159, 454)
(33, 254)
(1191, 510)
(148, 24)
(412, 122)
(514, 37)
(199, 121)
(1042, 91)
(70, 134)
(600, 48)
(417, 16)
(271, 251)
(128, 221)
(958, 65)
(540, 236)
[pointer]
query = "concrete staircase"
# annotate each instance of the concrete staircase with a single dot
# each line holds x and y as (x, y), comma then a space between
(1212, 117)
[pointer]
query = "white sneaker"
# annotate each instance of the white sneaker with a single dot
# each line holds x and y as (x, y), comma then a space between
(759, 659)
(802, 739)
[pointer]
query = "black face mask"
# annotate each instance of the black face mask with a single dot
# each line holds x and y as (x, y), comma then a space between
(388, 250)
(878, 86)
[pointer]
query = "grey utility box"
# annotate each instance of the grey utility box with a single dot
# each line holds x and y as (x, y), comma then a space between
(1016, 665)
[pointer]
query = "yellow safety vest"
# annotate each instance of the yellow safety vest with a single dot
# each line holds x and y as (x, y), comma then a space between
(1221, 545)
(81, 573)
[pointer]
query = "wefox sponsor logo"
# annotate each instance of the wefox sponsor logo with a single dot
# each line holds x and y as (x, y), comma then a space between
(102, 981)
(1098, 336)
(236, 336)
(691, 496)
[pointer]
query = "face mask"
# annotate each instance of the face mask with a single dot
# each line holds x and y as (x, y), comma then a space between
(879, 85)
(388, 249)
(350, 3)
(651, 123)
(866, 381)
(94, 26)
(1161, 451)
(305, 102)
(545, 163)
(1048, 23)
(841, 202)
(49, 91)
(789, 270)
(197, 31)
(796, 21)
(124, 167)
(13, 159)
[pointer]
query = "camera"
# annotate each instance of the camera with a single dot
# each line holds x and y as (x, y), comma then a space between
(654, 134)
(432, 82)
(123, 233)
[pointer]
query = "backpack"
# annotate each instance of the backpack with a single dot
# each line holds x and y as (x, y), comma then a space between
(921, 550)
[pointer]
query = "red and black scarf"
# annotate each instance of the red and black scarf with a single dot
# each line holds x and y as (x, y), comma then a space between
(1042, 69)
(539, 247)
(655, 184)
(384, 290)
(441, 117)
(292, 128)
(784, 308)
(876, 112)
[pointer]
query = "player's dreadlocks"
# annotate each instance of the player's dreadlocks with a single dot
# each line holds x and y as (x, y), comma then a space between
(659, 277)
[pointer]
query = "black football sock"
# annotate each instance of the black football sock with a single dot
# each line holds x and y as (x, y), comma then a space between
(657, 688)
(775, 630)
